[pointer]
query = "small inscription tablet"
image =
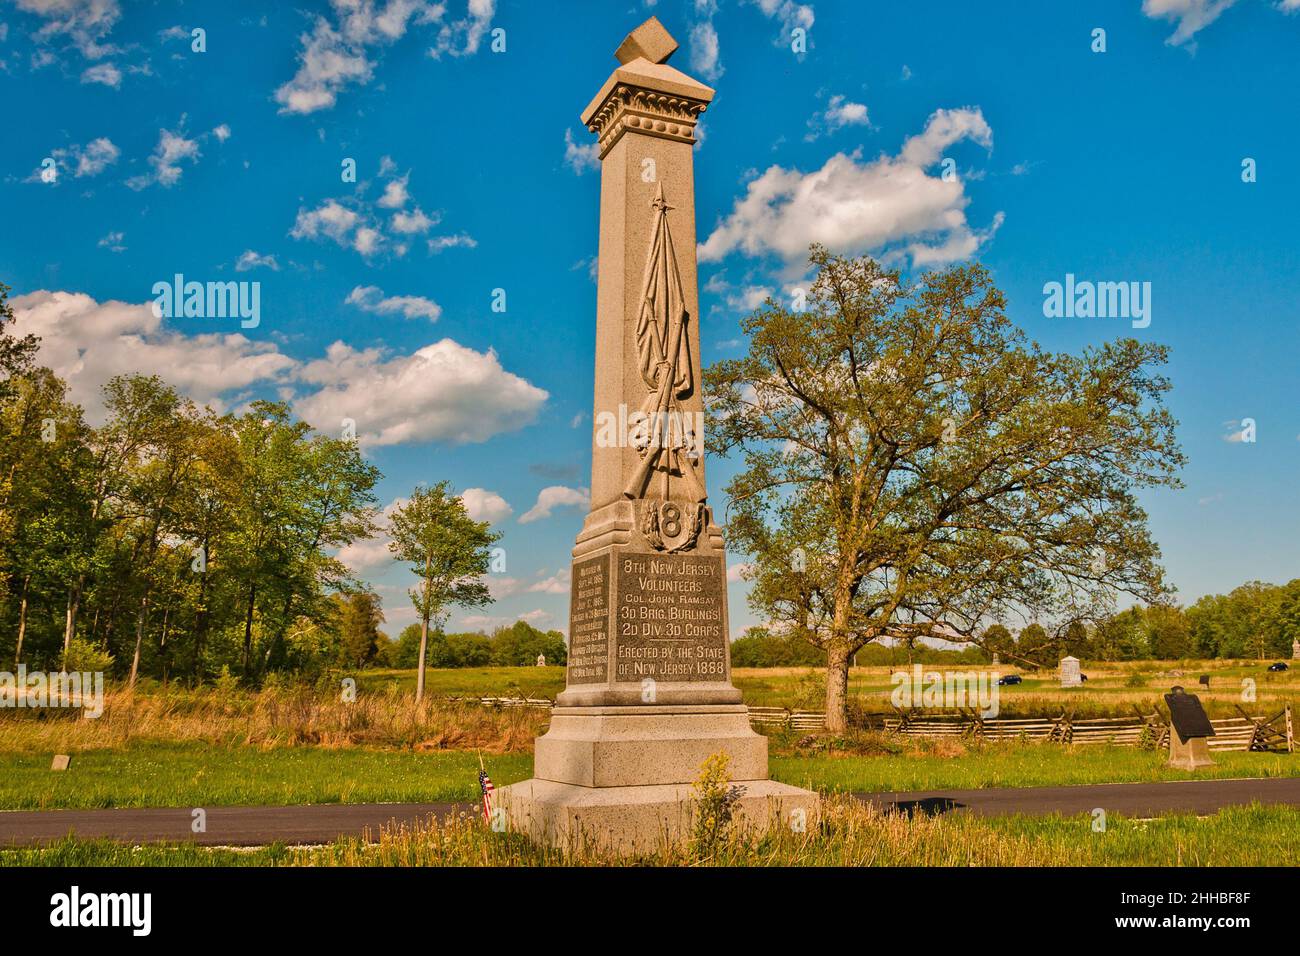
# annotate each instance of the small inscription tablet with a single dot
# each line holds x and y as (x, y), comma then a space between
(1188, 715)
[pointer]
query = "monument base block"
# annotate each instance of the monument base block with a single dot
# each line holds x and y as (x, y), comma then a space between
(647, 744)
(1192, 755)
(640, 819)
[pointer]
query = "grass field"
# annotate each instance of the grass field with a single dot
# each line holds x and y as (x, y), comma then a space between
(199, 775)
(851, 835)
(1110, 689)
(194, 774)
(209, 747)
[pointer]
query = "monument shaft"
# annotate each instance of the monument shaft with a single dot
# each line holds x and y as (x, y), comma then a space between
(648, 694)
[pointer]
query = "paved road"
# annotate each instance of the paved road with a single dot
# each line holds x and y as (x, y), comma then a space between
(1128, 799)
(323, 823)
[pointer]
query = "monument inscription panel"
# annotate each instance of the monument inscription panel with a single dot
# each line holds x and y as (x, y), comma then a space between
(589, 622)
(671, 620)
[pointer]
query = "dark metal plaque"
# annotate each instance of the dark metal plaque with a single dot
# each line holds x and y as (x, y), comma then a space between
(1189, 717)
(589, 622)
(671, 617)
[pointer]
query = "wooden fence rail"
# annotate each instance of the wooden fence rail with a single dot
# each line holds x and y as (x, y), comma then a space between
(1245, 732)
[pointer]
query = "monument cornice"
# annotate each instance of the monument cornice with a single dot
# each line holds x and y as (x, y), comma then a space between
(639, 109)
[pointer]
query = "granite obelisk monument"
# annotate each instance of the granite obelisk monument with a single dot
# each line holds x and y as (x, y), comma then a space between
(649, 695)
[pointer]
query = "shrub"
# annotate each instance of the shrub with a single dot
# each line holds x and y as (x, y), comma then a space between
(84, 656)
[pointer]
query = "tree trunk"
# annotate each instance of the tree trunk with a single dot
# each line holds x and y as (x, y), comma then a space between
(70, 623)
(139, 639)
(424, 646)
(837, 689)
(248, 632)
(201, 617)
(424, 631)
(22, 623)
(162, 644)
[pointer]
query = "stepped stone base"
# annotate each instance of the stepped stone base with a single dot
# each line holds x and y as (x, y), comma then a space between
(619, 778)
(639, 746)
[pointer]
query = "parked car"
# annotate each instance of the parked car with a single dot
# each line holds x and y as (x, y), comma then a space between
(1279, 666)
(1009, 679)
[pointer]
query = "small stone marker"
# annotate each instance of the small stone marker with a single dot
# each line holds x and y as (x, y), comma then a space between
(1070, 672)
(61, 762)
(541, 660)
(1203, 680)
(1188, 749)
(1295, 650)
(996, 660)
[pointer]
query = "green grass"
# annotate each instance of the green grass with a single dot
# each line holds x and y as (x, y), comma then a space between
(1014, 765)
(852, 835)
(195, 775)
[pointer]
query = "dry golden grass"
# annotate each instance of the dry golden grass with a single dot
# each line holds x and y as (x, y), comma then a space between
(854, 834)
(275, 718)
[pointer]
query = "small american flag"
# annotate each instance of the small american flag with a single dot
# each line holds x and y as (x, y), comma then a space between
(485, 785)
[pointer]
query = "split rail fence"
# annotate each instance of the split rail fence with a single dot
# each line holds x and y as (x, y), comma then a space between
(1275, 734)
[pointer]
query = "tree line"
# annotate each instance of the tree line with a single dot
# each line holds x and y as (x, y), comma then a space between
(172, 541)
(1254, 621)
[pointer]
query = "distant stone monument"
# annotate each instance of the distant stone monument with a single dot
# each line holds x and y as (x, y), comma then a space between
(1070, 672)
(1188, 746)
(541, 660)
(648, 693)
(1295, 650)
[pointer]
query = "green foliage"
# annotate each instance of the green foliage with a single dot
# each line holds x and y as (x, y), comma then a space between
(758, 647)
(172, 540)
(85, 657)
(519, 645)
(713, 804)
(514, 646)
(359, 617)
(913, 466)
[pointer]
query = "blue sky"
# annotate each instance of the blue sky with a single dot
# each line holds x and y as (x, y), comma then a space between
(474, 175)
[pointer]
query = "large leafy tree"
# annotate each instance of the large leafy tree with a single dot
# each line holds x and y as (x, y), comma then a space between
(448, 551)
(913, 467)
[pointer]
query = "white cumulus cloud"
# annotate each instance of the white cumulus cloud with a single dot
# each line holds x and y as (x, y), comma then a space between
(484, 505)
(338, 51)
(372, 299)
(441, 392)
(555, 496)
(87, 342)
(891, 205)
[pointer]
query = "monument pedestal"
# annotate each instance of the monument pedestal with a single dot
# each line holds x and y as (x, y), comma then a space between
(648, 744)
(1192, 754)
(619, 778)
(648, 696)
